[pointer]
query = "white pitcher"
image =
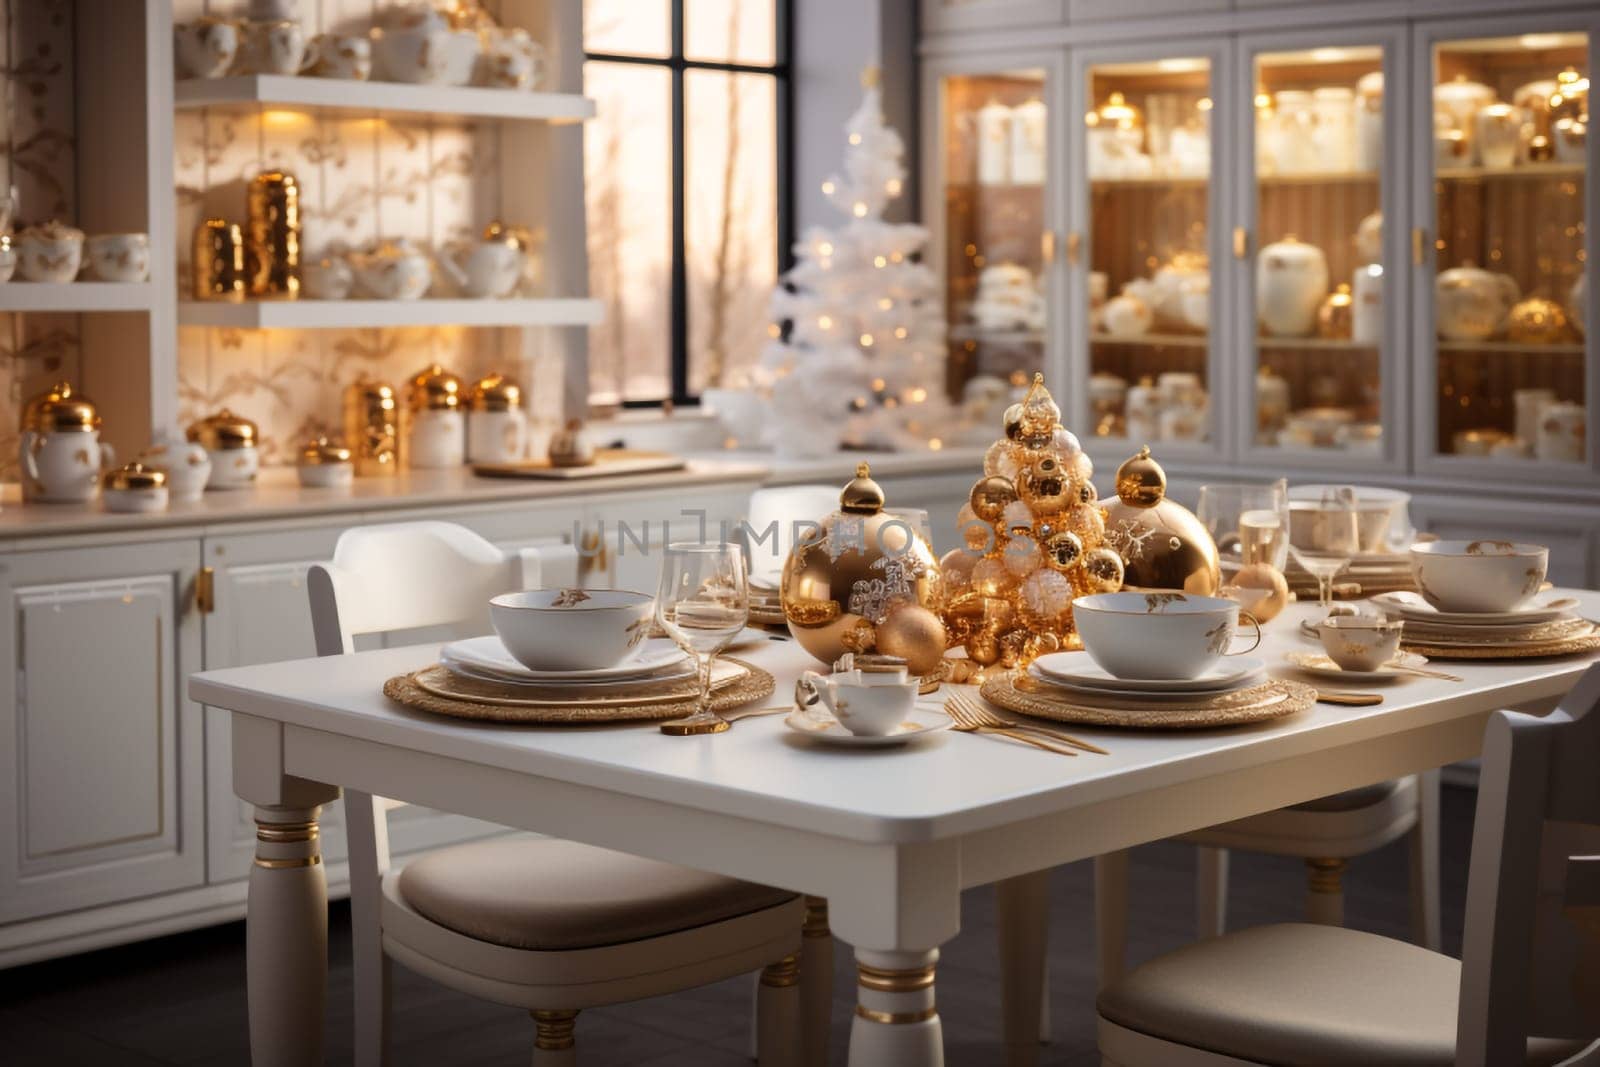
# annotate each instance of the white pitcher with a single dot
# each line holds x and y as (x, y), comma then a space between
(60, 447)
(484, 268)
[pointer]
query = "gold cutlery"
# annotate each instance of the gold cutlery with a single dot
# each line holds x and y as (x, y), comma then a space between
(1426, 672)
(967, 711)
(735, 714)
(965, 726)
(1350, 700)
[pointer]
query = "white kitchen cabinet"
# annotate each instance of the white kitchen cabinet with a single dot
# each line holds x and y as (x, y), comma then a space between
(103, 780)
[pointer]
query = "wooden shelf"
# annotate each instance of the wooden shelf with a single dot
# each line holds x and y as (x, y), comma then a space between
(358, 314)
(347, 96)
(1526, 172)
(1515, 348)
(969, 332)
(17, 295)
(1153, 340)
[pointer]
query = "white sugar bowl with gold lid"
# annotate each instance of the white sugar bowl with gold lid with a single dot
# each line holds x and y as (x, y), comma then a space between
(497, 425)
(436, 436)
(231, 442)
(324, 465)
(61, 453)
(135, 488)
(187, 464)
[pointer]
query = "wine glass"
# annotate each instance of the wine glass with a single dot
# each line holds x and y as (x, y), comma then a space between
(702, 602)
(1327, 538)
(1248, 521)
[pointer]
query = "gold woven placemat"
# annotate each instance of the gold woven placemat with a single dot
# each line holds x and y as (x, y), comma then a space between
(1570, 645)
(755, 684)
(1275, 699)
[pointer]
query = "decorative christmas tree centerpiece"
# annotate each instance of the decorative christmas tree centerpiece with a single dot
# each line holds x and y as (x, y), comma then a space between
(858, 350)
(1035, 538)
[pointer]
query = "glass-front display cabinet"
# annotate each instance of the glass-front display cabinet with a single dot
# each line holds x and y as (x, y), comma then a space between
(1310, 250)
(993, 235)
(1502, 245)
(1144, 204)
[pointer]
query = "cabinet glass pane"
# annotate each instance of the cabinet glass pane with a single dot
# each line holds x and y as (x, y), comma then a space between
(1319, 268)
(1509, 121)
(995, 138)
(1149, 162)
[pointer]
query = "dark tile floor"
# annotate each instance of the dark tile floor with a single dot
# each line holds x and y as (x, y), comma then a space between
(180, 999)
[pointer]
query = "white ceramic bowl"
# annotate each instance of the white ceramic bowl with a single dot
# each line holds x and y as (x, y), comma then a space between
(1478, 575)
(1157, 634)
(571, 629)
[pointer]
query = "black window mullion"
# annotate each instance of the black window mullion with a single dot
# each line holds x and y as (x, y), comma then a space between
(680, 244)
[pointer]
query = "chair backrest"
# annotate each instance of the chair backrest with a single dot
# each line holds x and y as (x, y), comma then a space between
(1531, 953)
(775, 511)
(404, 576)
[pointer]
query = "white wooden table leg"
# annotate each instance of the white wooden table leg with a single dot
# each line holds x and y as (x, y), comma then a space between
(1111, 914)
(1211, 891)
(896, 1023)
(816, 983)
(286, 939)
(778, 1014)
(1425, 864)
(1022, 912)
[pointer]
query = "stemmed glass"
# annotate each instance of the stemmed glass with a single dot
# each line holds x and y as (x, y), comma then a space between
(1248, 521)
(1329, 537)
(702, 602)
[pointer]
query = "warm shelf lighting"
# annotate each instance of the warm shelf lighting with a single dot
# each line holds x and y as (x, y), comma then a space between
(1180, 66)
(1540, 41)
(1327, 55)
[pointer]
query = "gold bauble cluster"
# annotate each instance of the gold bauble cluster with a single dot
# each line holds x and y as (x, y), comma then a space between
(1034, 538)
(865, 582)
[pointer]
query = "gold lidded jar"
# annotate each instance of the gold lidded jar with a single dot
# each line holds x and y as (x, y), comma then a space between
(1335, 318)
(436, 426)
(497, 423)
(59, 448)
(272, 246)
(324, 464)
(135, 488)
(218, 262)
(372, 427)
(231, 441)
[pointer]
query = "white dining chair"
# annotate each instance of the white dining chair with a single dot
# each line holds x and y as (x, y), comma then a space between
(1527, 989)
(539, 923)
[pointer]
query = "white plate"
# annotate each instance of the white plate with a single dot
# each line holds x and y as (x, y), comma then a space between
(920, 723)
(1078, 670)
(1315, 663)
(1412, 606)
(486, 657)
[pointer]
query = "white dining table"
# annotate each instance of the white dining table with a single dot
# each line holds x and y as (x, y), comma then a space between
(889, 836)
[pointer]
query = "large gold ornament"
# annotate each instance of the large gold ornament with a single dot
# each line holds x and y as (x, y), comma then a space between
(841, 584)
(1537, 321)
(1162, 544)
(916, 635)
(1035, 537)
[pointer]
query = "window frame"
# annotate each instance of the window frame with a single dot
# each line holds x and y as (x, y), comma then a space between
(781, 70)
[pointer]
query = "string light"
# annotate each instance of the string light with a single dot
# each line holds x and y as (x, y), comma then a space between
(866, 340)
(892, 186)
(824, 322)
(859, 210)
(855, 138)
(827, 188)
(879, 261)
(900, 332)
(879, 385)
(825, 248)
(884, 303)
(774, 330)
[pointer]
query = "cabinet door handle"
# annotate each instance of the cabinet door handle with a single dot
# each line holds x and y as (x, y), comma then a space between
(205, 590)
(1241, 242)
(1419, 241)
(1047, 246)
(1074, 247)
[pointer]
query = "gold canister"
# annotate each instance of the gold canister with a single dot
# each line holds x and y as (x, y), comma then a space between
(435, 389)
(219, 261)
(495, 392)
(1336, 316)
(272, 250)
(372, 428)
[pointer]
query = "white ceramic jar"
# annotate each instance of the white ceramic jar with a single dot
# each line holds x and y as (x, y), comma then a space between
(231, 443)
(134, 489)
(52, 252)
(994, 143)
(1291, 280)
(1369, 238)
(329, 278)
(60, 450)
(1368, 112)
(1497, 132)
(1272, 406)
(324, 465)
(497, 425)
(1529, 405)
(1456, 104)
(1471, 304)
(187, 465)
(120, 257)
(1029, 137)
(436, 430)
(1561, 433)
(1334, 132)
(1126, 316)
(1366, 305)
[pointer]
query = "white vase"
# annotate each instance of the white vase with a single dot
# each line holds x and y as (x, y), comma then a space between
(1291, 280)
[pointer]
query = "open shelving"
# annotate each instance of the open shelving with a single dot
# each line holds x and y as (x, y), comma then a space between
(73, 297)
(357, 314)
(345, 96)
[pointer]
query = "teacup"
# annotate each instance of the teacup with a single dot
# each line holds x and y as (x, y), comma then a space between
(865, 703)
(52, 252)
(571, 629)
(120, 257)
(1360, 642)
(339, 55)
(206, 47)
(1159, 634)
(276, 47)
(1481, 576)
(329, 278)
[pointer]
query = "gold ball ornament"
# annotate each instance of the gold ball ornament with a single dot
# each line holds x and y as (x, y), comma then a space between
(839, 585)
(1013, 422)
(1162, 544)
(1062, 550)
(990, 497)
(1040, 644)
(916, 635)
(1017, 519)
(983, 648)
(1022, 556)
(956, 568)
(975, 533)
(1088, 521)
(1040, 415)
(1002, 460)
(991, 577)
(1103, 568)
(1012, 645)
(1046, 596)
(1537, 321)
(1043, 486)
(1263, 589)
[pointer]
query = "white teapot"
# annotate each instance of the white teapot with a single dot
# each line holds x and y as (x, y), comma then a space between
(1169, 281)
(419, 46)
(61, 453)
(1291, 280)
(1471, 303)
(485, 268)
(187, 463)
(393, 271)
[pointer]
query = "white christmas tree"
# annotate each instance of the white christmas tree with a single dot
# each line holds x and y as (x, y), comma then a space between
(858, 350)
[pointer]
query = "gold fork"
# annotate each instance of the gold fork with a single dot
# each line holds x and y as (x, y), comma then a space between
(982, 716)
(967, 726)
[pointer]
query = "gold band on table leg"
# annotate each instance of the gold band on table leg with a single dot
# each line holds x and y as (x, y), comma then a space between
(1325, 875)
(782, 974)
(553, 1029)
(816, 923)
(286, 833)
(896, 1018)
(880, 980)
(274, 863)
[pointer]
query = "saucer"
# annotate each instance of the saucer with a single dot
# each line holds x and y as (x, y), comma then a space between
(1078, 670)
(918, 724)
(1412, 607)
(1315, 663)
(486, 657)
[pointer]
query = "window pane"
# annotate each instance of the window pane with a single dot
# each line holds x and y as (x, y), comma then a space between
(628, 27)
(730, 31)
(731, 219)
(627, 152)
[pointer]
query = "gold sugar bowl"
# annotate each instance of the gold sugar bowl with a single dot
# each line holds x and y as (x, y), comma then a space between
(135, 489)
(231, 441)
(372, 428)
(324, 464)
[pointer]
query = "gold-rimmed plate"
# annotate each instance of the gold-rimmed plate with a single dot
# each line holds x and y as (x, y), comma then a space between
(1322, 666)
(443, 682)
(1021, 693)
